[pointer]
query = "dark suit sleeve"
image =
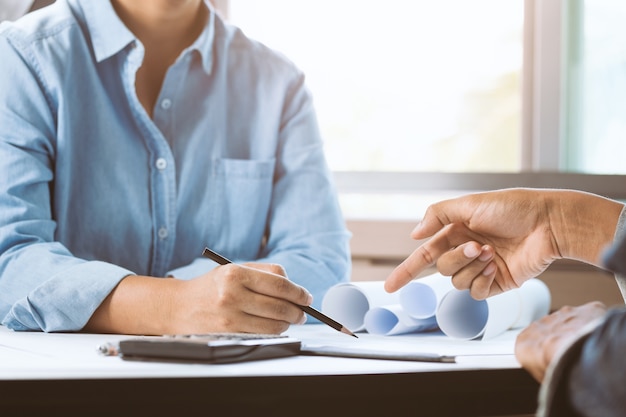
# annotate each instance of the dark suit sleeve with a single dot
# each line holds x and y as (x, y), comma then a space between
(597, 379)
(589, 377)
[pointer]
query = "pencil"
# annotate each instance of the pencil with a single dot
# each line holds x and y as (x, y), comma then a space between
(307, 309)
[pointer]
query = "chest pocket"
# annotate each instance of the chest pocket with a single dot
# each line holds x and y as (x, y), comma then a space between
(241, 192)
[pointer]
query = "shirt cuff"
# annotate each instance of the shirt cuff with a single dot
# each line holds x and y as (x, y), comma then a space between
(66, 301)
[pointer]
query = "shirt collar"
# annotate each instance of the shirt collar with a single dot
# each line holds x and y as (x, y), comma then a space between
(109, 35)
(204, 43)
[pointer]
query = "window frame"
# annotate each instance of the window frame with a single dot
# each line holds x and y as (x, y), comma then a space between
(542, 131)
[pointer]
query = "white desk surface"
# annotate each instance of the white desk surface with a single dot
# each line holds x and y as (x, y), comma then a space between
(41, 356)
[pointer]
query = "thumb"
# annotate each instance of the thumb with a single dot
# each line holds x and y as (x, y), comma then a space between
(436, 217)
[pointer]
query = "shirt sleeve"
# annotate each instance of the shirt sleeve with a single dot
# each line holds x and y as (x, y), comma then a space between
(306, 229)
(597, 378)
(597, 383)
(42, 285)
(617, 252)
(589, 375)
(588, 378)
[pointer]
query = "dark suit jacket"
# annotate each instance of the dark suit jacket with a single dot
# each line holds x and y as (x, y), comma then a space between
(589, 377)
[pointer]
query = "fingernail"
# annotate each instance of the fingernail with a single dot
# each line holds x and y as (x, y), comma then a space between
(470, 251)
(309, 298)
(303, 319)
(417, 227)
(485, 255)
(489, 269)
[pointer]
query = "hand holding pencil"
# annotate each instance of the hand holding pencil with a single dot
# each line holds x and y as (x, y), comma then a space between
(246, 298)
(306, 308)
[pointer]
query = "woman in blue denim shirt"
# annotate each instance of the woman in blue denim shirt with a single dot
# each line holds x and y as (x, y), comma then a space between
(132, 135)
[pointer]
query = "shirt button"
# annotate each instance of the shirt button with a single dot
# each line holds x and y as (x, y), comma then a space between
(162, 233)
(161, 164)
(166, 103)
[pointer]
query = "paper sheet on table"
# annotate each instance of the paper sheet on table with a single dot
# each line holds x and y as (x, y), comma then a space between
(462, 317)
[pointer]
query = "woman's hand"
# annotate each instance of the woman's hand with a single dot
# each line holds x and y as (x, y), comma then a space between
(252, 298)
(255, 298)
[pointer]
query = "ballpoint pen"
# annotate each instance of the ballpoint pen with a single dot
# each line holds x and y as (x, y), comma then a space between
(307, 309)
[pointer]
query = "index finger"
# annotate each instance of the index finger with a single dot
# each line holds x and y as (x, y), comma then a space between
(425, 256)
(408, 269)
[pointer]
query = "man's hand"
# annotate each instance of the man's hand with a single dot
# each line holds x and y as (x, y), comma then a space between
(488, 242)
(543, 340)
(495, 241)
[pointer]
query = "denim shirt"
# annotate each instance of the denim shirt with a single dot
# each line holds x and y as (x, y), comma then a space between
(92, 189)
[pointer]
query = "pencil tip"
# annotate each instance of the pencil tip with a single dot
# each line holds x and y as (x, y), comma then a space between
(348, 332)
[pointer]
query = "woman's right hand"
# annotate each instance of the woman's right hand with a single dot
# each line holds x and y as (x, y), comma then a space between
(253, 298)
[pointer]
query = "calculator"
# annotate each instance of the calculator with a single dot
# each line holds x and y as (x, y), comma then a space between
(209, 348)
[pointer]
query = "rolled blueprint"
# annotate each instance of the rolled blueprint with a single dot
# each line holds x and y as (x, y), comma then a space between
(348, 303)
(421, 297)
(462, 317)
(393, 319)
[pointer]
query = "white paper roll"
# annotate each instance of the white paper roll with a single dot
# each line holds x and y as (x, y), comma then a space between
(421, 297)
(348, 303)
(393, 319)
(535, 299)
(462, 317)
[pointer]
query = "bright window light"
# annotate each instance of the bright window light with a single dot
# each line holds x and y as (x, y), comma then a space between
(402, 85)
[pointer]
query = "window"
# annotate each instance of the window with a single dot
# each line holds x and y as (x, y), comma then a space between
(596, 100)
(422, 100)
(404, 85)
